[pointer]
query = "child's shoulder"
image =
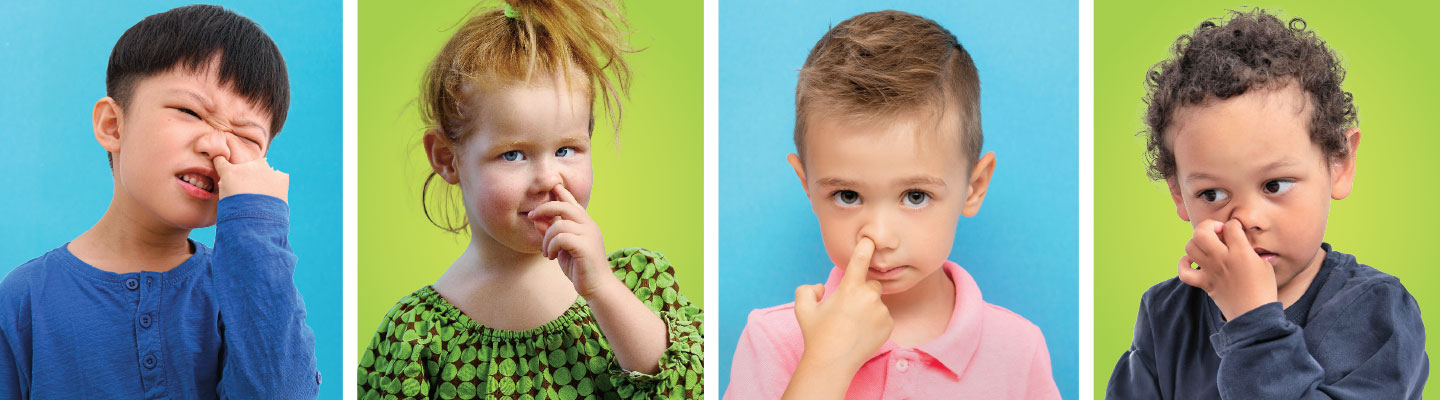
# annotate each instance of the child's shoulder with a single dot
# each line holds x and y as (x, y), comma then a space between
(19, 281)
(416, 312)
(649, 275)
(1001, 321)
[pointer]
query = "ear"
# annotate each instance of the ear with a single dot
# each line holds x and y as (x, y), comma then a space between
(1178, 198)
(441, 152)
(106, 121)
(1342, 172)
(979, 184)
(794, 160)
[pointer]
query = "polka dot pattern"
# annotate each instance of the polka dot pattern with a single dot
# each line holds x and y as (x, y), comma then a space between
(427, 349)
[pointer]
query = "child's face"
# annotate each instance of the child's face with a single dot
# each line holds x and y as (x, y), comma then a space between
(1250, 158)
(164, 140)
(524, 140)
(899, 183)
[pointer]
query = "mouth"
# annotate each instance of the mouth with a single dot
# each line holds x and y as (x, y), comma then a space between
(1266, 255)
(885, 272)
(200, 183)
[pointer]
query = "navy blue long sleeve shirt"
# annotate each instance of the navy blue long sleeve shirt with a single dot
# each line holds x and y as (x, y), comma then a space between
(1355, 334)
(227, 323)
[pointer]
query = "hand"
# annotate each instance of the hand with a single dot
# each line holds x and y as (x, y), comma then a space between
(574, 240)
(1230, 271)
(255, 176)
(852, 323)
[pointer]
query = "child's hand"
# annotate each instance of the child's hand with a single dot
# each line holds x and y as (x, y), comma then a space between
(1230, 271)
(574, 240)
(255, 176)
(847, 327)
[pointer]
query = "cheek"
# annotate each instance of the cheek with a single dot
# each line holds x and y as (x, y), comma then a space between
(579, 180)
(839, 236)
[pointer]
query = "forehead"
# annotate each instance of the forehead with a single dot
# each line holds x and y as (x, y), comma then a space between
(1262, 127)
(202, 88)
(511, 112)
(902, 146)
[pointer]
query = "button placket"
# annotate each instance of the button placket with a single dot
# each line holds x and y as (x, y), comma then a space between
(148, 340)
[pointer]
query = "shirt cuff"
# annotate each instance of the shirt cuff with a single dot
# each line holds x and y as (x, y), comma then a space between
(1259, 325)
(251, 205)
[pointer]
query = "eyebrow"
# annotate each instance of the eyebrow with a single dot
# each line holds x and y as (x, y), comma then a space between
(209, 105)
(1274, 165)
(908, 181)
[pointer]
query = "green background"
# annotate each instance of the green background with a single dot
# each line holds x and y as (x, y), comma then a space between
(1386, 222)
(649, 179)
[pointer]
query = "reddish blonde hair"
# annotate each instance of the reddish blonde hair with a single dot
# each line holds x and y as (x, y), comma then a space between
(577, 39)
(886, 64)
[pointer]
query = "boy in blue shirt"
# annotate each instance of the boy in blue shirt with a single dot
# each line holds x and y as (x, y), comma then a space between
(134, 309)
(1249, 127)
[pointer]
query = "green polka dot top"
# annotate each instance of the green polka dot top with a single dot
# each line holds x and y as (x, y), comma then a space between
(427, 349)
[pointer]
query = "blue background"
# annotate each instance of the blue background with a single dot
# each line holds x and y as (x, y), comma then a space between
(56, 181)
(1021, 248)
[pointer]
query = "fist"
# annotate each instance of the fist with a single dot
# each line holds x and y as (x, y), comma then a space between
(255, 177)
(1230, 270)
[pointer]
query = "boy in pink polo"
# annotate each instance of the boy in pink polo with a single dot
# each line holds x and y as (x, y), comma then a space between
(888, 139)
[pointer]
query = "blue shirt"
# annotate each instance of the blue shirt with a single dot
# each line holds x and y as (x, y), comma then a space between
(1355, 334)
(227, 323)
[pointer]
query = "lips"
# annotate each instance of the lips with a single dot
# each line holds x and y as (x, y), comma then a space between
(200, 183)
(886, 272)
(1266, 255)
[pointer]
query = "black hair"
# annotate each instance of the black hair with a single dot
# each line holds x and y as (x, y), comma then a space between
(191, 36)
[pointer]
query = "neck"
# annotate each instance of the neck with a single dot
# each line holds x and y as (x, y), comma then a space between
(1291, 291)
(126, 240)
(505, 289)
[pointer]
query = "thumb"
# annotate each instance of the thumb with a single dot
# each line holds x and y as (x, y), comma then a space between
(806, 296)
(222, 165)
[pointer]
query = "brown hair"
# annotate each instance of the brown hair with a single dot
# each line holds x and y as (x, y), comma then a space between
(1253, 50)
(886, 63)
(578, 39)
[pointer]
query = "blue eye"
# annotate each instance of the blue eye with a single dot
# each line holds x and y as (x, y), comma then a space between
(564, 152)
(513, 155)
(916, 198)
(1213, 195)
(1279, 186)
(846, 197)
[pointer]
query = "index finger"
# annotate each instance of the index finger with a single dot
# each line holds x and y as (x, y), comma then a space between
(859, 263)
(564, 194)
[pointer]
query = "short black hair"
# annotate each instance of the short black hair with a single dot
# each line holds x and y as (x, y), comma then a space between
(191, 36)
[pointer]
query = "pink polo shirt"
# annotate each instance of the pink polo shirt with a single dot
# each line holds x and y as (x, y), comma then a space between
(986, 352)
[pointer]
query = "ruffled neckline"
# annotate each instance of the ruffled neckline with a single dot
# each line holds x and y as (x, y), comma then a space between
(452, 315)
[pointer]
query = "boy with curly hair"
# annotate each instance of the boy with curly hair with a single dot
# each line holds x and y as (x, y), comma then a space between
(1249, 127)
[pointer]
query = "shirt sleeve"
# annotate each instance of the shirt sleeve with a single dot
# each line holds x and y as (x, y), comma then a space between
(649, 275)
(269, 351)
(1041, 385)
(1134, 375)
(1375, 349)
(391, 366)
(14, 346)
(759, 369)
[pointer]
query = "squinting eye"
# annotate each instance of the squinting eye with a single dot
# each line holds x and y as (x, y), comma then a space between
(1213, 195)
(846, 197)
(916, 198)
(1278, 186)
(187, 111)
(564, 152)
(512, 155)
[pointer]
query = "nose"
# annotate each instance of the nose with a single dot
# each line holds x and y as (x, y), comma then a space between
(880, 226)
(1251, 214)
(547, 175)
(212, 144)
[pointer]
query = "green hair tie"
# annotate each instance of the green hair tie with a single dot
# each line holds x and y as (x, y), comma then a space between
(511, 12)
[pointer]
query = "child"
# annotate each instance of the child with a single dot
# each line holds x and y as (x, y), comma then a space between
(1249, 127)
(888, 140)
(132, 308)
(533, 308)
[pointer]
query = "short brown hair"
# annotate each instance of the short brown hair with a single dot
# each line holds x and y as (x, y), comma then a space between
(1252, 50)
(886, 63)
(577, 39)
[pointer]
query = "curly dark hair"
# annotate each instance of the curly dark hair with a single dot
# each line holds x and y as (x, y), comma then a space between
(1252, 50)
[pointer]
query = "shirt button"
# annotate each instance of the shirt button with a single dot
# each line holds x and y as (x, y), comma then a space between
(132, 283)
(145, 321)
(902, 365)
(149, 361)
(317, 377)
(149, 281)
